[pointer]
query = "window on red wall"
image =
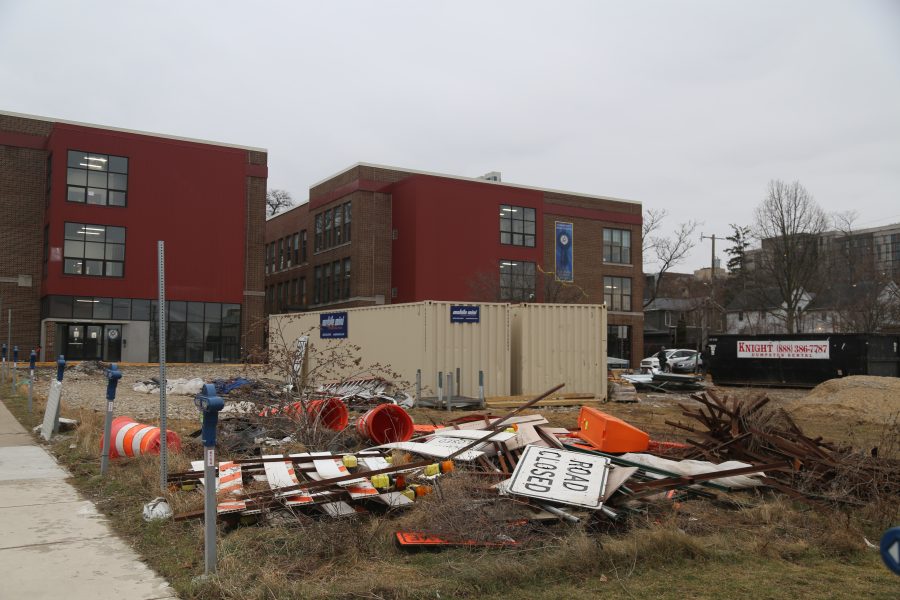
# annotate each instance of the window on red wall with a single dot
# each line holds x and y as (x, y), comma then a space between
(97, 178)
(517, 280)
(96, 250)
(517, 225)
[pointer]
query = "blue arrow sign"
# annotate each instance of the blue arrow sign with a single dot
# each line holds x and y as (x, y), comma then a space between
(890, 549)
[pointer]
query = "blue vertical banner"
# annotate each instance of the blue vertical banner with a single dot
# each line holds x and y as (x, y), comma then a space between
(564, 257)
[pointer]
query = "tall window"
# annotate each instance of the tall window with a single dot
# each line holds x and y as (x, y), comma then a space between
(517, 225)
(338, 281)
(347, 216)
(319, 243)
(618, 341)
(302, 299)
(97, 250)
(326, 283)
(346, 278)
(296, 248)
(280, 265)
(303, 246)
(329, 220)
(97, 178)
(338, 226)
(617, 246)
(317, 285)
(279, 298)
(516, 280)
(617, 293)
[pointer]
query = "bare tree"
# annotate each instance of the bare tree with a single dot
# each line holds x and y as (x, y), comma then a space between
(666, 252)
(277, 201)
(789, 222)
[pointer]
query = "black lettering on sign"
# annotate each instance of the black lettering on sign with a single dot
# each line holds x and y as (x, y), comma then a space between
(534, 487)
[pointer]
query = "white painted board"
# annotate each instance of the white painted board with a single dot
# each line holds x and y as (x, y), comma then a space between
(560, 476)
(51, 413)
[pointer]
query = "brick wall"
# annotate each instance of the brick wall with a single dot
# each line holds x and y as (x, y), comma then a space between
(23, 185)
(253, 313)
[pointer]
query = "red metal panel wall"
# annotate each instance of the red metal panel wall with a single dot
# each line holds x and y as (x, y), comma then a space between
(191, 195)
(448, 233)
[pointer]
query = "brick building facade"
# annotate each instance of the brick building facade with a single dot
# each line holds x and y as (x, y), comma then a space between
(83, 208)
(373, 235)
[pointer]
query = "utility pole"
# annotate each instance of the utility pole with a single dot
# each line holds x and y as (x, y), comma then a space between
(712, 288)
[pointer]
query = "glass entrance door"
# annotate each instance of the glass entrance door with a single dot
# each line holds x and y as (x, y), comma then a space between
(74, 349)
(112, 334)
(93, 343)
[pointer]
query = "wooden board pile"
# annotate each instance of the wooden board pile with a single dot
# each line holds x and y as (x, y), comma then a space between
(733, 430)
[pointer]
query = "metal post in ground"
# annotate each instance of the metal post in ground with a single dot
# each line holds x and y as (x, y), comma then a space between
(15, 374)
(209, 403)
(9, 339)
(113, 375)
(60, 373)
(31, 361)
(164, 433)
(3, 367)
(481, 388)
(440, 388)
(418, 387)
(449, 390)
(458, 383)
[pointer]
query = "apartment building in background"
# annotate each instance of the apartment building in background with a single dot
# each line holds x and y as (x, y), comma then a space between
(380, 235)
(83, 209)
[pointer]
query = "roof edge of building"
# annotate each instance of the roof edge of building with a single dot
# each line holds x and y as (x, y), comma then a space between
(133, 131)
(473, 179)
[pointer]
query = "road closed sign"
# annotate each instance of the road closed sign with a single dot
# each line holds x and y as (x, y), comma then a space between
(560, 476)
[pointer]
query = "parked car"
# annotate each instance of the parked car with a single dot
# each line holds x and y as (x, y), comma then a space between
(681, 360)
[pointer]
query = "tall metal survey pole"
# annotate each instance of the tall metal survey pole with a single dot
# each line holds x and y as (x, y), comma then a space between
(209, 404)
(163, 450)
(712, 287)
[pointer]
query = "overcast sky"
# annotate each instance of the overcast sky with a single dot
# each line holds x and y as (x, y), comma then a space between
(688, 106)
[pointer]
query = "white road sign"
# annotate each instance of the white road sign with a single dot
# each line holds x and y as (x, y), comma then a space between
(560, 476)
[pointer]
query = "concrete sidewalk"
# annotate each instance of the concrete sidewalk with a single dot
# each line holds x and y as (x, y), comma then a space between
(53, 543)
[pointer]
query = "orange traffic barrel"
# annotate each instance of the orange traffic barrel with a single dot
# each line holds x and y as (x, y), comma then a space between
(386, 423)
(610, 434)
(130, 438)
(330, 412)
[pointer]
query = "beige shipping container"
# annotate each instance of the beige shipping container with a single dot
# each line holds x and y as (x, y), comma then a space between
(409, 337)
(559, 343)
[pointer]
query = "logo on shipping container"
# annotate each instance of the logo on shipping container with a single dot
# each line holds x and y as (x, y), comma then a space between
(465, 314)
(333, 325)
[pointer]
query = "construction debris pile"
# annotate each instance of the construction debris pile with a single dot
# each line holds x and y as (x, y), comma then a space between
(813, 469)
(526, 471)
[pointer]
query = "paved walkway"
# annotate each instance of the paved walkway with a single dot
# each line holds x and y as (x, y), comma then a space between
(53, 543)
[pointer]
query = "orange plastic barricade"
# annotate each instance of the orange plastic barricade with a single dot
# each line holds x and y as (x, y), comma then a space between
(386, 423)
(129, 438)
(609, 434)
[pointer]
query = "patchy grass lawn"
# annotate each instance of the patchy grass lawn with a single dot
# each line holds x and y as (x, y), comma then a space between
(756, 545)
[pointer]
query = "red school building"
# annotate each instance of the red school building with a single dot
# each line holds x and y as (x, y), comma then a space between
(84, 207)
(373, 235)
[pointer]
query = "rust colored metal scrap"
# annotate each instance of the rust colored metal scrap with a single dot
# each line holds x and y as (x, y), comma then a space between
(729, 429)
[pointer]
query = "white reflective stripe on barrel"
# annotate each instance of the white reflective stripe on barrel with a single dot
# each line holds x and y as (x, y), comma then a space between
(136, 440)
(120, 437)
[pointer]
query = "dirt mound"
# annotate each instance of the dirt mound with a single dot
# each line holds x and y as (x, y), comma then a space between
(864, 397)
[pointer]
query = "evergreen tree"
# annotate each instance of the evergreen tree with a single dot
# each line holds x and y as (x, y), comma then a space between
(740, 241)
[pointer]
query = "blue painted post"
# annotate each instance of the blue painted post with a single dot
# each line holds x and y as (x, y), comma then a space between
(209, 403)
(15, 374)
(60, 371)
(31, 361)
(113, 375)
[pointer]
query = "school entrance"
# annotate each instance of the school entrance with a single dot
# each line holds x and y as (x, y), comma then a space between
(92, 341)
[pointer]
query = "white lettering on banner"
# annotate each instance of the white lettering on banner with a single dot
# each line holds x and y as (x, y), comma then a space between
(560, 476)
(333, 321)
(819, 349)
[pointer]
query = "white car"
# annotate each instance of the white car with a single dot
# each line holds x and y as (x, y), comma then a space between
(677, 359)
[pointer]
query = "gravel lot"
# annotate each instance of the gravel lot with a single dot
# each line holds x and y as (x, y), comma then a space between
(89, 389)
